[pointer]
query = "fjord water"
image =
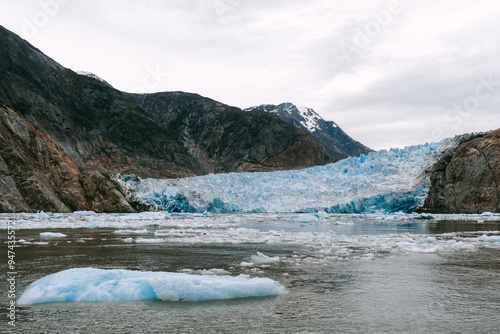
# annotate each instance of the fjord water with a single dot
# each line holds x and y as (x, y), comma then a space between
(343, 273)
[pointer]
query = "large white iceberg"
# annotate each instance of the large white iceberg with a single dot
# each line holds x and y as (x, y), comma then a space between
(389, 181)
(95, 285)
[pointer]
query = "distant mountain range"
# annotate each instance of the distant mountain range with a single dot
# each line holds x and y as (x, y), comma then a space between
(336, 142)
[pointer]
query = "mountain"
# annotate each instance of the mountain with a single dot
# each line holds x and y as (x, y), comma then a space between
(102, 131)
(336, 142)
(227, 139)
(97, 126)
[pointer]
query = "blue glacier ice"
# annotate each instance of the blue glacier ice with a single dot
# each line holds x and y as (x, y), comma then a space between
(96, 285)
(394, 180)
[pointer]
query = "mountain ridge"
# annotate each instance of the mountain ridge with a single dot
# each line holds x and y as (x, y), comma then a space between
(226, 139)
(336, 142)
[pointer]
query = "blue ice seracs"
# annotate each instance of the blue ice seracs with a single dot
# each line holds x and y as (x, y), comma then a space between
(386, 181)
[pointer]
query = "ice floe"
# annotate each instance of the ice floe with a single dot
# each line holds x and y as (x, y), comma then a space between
(52, 235)
(98, 285)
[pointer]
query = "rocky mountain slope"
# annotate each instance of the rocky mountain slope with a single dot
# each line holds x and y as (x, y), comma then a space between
(227, 139)
(36, 174)
(467, 180)
(336, 142)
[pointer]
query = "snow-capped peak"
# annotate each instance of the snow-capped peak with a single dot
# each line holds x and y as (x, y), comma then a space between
(337, 143)
(266, 107)
(310, 118)
(306, 116)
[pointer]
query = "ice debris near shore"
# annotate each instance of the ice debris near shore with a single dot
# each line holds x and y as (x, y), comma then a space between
(388, 181)
(98, 285)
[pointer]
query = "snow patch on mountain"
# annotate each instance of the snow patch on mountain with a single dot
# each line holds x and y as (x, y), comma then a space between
(93, 76)
(310, 117)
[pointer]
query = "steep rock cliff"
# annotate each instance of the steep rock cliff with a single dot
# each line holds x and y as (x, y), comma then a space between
(36, 174)
(467, 180)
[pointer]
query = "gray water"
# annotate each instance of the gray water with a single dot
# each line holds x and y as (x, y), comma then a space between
(454, 291)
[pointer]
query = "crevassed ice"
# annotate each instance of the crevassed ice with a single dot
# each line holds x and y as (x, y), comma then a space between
(95, 285)
(388, 181)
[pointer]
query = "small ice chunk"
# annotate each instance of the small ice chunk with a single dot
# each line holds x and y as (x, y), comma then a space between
(486, 238)
(144, 231)
(84, 213)
(41, 214)
(262, 258)
(52, 235)
(214, 271)
(247, 264)
(148, 241)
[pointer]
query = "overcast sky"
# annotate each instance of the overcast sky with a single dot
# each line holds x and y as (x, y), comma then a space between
(390, 73)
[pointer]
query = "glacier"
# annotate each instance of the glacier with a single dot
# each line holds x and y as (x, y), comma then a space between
(97, 285)
(395, 180)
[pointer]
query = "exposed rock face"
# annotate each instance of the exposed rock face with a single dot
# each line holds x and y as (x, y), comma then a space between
(102, 194)
(336, 142)
(227, 139)
(97, 126)
(467, 180)
(36, 174)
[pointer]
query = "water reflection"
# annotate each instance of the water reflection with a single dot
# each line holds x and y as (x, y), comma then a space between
(449, 226)
(375, 227)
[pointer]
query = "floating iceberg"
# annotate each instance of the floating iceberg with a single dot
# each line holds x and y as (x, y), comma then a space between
(52, 235)
(388, 181)
(95, 285)
(143, 231)
(262, 258)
